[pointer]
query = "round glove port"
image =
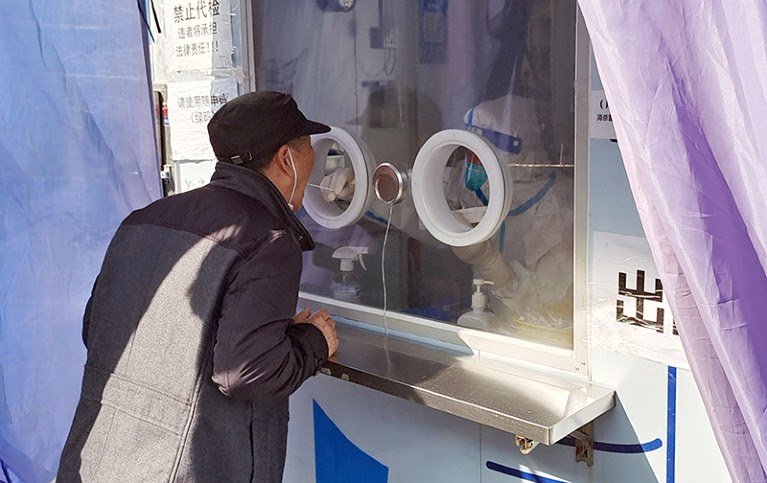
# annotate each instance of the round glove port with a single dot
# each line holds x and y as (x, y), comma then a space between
(346, 193)
(429, 195)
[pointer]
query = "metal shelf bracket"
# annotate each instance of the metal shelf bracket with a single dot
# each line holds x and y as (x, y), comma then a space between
(584, 444)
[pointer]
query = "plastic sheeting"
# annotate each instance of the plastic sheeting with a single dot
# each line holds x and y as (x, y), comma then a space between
(687, 86)
(77, 152)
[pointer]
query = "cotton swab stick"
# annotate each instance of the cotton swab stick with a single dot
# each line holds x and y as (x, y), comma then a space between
(318, 186)
(331, 196)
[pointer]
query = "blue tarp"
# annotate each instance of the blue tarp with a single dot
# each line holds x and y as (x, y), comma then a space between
(77, 152)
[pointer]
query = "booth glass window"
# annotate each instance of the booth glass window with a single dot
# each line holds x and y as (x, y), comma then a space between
(393, 73)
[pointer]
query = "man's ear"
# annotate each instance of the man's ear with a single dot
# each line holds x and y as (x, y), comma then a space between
(282, 160)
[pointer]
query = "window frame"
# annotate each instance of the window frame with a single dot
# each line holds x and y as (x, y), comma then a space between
(575, 360)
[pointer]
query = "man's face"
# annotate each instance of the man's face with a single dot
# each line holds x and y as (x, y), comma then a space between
(303, 156)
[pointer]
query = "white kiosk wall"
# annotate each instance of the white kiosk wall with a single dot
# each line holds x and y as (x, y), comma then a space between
(658, 430)
(393, 73)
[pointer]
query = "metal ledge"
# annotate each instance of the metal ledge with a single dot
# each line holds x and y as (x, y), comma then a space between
(538, 407)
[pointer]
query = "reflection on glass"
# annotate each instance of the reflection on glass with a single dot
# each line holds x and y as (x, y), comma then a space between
(395, 75)
(337, 159)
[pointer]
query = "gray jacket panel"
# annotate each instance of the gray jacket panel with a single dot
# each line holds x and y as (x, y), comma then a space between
(191, 355)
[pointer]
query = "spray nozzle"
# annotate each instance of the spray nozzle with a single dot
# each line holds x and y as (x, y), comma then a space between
(348, 255)
(478, 298)
(479, 282)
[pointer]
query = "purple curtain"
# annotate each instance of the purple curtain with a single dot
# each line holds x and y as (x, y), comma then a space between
(687, 86)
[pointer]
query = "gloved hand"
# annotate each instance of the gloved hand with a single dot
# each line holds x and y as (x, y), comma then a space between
(338, 185)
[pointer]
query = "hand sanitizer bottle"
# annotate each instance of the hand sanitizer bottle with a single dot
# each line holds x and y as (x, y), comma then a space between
(478, 318)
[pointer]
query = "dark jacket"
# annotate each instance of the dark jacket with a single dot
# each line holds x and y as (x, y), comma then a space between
(191, 357)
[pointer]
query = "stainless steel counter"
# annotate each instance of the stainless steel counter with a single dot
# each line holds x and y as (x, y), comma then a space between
(539, 407)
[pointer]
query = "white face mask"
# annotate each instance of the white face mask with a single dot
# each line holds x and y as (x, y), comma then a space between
(295, 180)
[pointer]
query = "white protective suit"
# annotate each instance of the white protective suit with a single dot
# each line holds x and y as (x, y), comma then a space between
(537, 240)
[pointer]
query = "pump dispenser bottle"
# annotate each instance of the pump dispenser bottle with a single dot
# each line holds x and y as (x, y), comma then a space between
(478, 318)
(346, 285)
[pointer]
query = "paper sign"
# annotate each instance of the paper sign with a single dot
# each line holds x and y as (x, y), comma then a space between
(193, 174)
(629, 311)
(600, 119)
(198, 35)
(190, 107)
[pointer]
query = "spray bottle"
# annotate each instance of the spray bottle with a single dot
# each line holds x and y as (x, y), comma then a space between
(346, 286)
(478, 318)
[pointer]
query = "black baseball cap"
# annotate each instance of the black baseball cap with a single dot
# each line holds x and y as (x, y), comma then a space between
(256, 124)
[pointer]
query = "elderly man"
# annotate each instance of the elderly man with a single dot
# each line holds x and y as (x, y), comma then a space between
(193, 348)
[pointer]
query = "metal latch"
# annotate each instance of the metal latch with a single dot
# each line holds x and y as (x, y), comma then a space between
(525, 445)
(165, 172)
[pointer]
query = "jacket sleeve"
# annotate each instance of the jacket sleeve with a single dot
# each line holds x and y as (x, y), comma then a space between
(258, 354)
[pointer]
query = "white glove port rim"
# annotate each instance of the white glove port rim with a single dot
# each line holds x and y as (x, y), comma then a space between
(428, 190)
(329, 214)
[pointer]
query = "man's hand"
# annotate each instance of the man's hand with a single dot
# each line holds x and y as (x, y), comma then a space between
(302, 316)
(322, 320)
(338, 185)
